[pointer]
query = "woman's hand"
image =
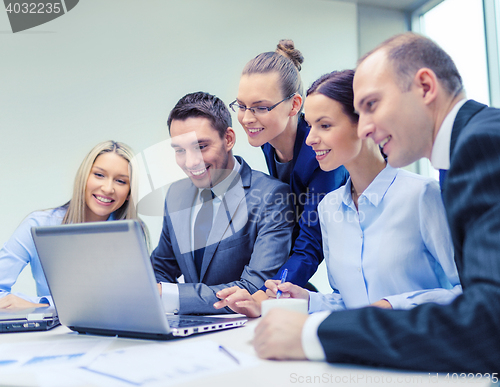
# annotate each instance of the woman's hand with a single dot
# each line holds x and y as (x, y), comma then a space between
(14, 302)
(240, 301)
(383, 303)
(288, 290)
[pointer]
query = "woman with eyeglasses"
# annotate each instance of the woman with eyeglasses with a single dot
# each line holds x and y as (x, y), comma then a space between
(269, 107)
(102, 191)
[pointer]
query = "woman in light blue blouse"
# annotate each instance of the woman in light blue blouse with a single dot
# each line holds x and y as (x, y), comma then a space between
(386, 241)
(101, 192)
(385, 236)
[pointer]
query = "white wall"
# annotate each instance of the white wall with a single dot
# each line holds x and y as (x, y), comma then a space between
(377, 24)
(113, 69)
(374, 26)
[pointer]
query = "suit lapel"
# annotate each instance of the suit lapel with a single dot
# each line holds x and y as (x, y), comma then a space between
(300, 138)
(466, 112)
(270, 152)
(231, 216)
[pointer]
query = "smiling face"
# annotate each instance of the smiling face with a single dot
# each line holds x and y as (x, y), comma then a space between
(396, 120)
(203, 156)
(108, 186)
(264, 90)
(333, 136)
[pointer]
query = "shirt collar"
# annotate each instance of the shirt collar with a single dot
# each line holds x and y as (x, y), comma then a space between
(375, 192)
(220, 189)
(440, 156)
(345, 194)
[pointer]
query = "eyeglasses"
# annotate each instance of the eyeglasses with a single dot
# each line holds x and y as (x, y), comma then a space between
(256, 110)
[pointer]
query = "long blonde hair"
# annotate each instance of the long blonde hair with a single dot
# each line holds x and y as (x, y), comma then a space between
(76, 206)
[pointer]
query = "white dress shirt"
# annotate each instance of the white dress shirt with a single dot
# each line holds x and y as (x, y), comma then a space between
(170, 291)
(396, 246)
(440, 156)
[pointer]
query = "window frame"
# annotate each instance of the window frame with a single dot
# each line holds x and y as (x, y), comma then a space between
(491, 16)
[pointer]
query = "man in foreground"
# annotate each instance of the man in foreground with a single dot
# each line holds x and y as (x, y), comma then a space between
(410, 100)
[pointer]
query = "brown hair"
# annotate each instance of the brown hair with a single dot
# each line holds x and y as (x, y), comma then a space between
(286, 61)
(337, 85)
(409, 52)
(201, 104)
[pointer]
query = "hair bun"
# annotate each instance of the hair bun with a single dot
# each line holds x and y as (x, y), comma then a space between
(287, 48)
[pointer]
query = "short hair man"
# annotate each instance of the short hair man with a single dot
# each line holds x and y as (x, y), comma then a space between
(224, 226)
(410, 100)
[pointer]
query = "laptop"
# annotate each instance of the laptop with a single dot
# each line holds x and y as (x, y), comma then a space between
(26, 320)
(102, 282)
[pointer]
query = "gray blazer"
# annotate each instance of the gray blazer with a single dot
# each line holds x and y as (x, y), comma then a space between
(249, 241)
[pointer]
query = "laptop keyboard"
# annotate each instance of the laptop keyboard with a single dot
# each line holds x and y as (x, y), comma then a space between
(184, 322)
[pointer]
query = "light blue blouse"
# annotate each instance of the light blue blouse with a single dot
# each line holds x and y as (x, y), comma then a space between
(396, 247)
(20, 250)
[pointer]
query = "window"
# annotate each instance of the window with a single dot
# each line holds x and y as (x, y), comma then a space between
(458, 26)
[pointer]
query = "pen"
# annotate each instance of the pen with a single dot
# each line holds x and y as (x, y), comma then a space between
(283, 279)
(223, 349)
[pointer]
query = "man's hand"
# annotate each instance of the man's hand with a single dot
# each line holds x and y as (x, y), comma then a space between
(279, 335)
(159, 288)
(240, 301)
(14, 302)
(288, 290)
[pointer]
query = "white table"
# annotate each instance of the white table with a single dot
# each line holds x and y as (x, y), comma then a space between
(266, 373)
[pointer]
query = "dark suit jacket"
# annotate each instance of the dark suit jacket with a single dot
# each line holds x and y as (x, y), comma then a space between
(465, 335)
(309, 183)
(249, 241)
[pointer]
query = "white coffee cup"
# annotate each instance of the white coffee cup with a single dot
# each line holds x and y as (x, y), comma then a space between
(296, 304)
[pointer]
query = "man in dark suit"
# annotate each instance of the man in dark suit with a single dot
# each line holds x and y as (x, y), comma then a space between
(226, 225)
(411, 101)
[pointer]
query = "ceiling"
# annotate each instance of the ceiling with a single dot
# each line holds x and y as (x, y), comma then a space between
(400, 5)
